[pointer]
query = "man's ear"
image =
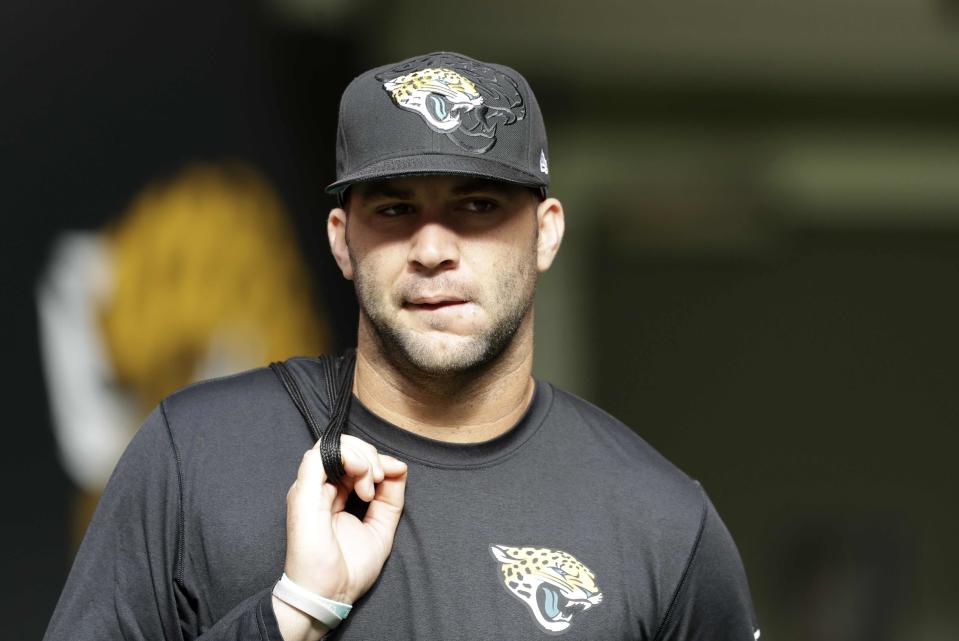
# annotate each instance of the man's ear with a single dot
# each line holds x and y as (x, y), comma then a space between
(552, 224)
(336, 231)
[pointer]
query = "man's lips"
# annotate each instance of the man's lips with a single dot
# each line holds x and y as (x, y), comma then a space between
(433, 302)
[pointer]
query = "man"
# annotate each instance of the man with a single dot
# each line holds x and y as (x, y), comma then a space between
(499, 507)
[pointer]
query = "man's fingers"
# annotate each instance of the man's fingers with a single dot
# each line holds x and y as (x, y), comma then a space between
(354, 462)
(358, 466)
(366, 450)
(310, 499)
(392, 466)
(342, 494)
(384, 511)
(364, 467)
(310, 475)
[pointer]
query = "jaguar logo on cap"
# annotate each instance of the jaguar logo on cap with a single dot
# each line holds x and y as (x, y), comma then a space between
(457, 97)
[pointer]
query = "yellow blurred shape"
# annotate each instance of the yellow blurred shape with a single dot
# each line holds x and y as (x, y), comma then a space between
(206, 266)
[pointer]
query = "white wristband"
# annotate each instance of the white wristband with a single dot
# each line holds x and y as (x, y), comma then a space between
(328, 612)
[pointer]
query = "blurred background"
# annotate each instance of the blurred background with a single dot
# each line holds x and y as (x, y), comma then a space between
(759, 273)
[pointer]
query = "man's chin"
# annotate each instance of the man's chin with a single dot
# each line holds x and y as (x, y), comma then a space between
(448, 351)
(442, 354)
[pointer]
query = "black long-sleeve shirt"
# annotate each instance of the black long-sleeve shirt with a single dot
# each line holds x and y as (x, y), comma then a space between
(568, 524)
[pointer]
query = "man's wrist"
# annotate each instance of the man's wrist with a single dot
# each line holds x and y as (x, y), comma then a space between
(296, 625)
(327, 611)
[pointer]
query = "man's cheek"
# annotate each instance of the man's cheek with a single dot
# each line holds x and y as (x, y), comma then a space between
(380, 283)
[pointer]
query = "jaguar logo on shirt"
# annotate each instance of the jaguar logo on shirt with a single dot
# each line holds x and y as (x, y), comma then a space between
(553, 584)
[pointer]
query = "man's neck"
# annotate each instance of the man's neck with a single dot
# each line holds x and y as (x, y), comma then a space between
(468, 409)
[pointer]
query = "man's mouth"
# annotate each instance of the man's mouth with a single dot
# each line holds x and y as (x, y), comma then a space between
(430, 303)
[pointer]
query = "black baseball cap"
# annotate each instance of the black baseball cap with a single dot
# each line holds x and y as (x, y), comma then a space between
(440, 113)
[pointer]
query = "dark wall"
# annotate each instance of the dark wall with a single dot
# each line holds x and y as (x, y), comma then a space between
(811, 389)
(99, 99)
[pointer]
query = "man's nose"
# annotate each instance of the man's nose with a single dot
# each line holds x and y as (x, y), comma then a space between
(434, 247)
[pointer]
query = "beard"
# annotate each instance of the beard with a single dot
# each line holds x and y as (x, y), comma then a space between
(437, 354)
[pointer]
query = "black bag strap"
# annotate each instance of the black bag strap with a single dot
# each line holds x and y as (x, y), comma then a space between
(338, 373)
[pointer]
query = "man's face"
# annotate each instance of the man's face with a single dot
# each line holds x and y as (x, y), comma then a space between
(444, 267)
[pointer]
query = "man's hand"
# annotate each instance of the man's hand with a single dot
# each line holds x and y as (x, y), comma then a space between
(330, 551)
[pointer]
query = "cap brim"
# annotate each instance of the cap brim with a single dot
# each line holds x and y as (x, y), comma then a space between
(437, 164)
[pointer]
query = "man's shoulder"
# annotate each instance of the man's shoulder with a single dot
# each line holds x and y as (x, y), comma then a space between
(250, 386)
(235, 407)
(213, 395)
(625, 454)
(598, 427)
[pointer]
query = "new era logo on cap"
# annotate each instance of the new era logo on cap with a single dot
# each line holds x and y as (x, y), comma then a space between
(441, 113)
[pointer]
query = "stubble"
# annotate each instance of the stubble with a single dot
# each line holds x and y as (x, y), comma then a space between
(439, 357)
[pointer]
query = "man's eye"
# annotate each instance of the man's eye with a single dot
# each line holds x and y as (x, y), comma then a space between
(479, 205)
(396, 209)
